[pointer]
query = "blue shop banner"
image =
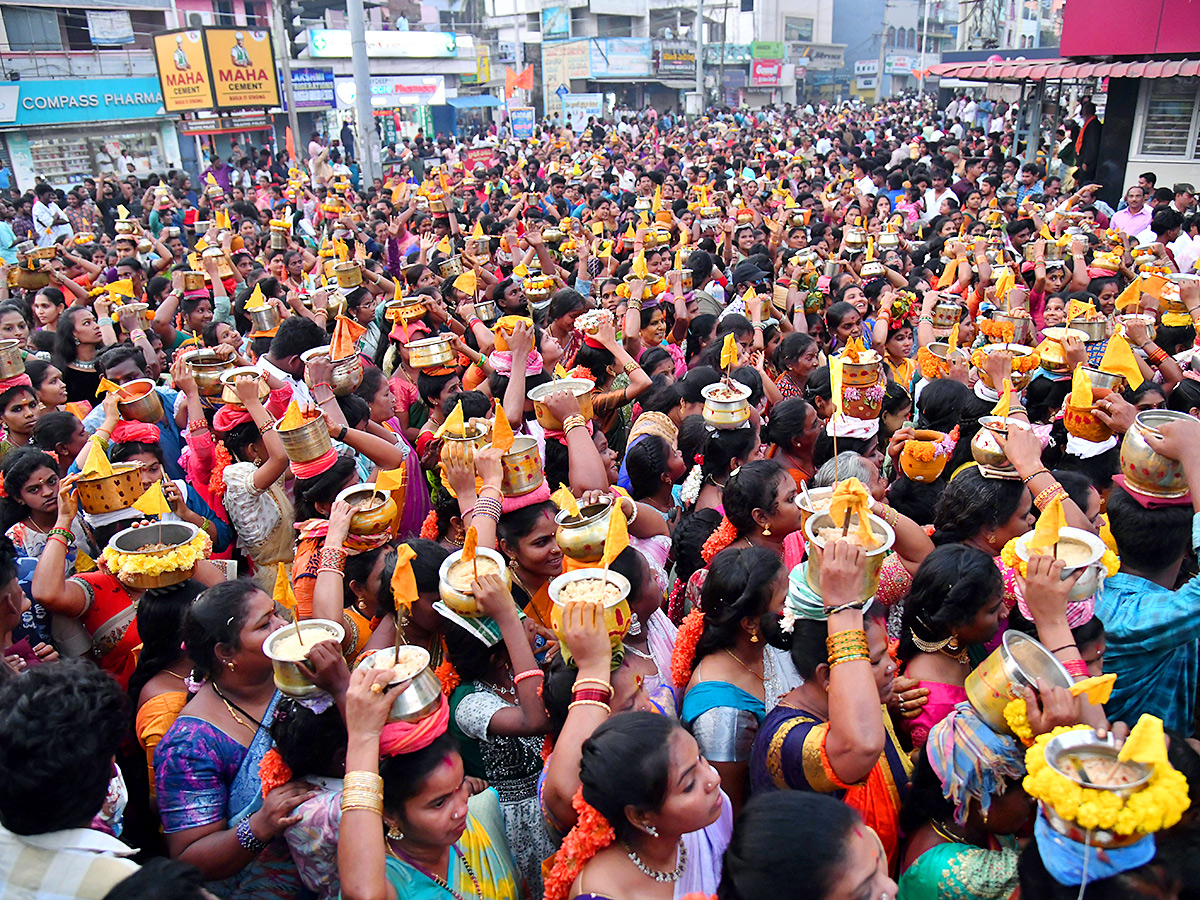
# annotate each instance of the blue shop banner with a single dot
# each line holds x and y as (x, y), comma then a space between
(70, 101)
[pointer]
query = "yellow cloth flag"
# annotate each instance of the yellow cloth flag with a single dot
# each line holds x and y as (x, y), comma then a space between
(97, 464)
(391, 480)
(293, 417)
(1097, 689)
(949, 275)
(1001, 409)
(850, 497)
(1153, 285)
(123, 213)
(1077, 308)
(1118, 359)
(1045, 233)
(521, 270)
(729, 352)
(502, 433)
(122, 288)
(282, 592)
(346, 333)
(618, 535)
(656, 202)
(341, 251)
(1146, 743)
(953, 342)
(153, 502)
(470, 543)
(835, 385)
(1049, 524)
(749, 295)
(397, 289)
(404, 580)
(630, 235)
(106, 386)
(560, 371)
(606, 249)
(1081, 389)
(1004, 284)
(565, 500)
(870, 248)
(597, 228)
(466, 283)
(638, 267)
(443, 246)
(454, 423)
(1132, 295)
(256, 301)
(477, 231)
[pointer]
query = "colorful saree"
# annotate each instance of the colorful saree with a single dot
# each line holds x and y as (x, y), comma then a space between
(963, 872)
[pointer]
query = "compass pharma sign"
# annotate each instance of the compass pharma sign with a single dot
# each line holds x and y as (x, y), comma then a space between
(216, 68)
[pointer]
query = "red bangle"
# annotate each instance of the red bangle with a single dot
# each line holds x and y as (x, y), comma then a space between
(591, 694)
(1076, 668)
(528, 673)
(55, 537)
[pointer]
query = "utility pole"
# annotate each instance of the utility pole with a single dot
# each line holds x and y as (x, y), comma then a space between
(699, 27)
(882, 52)
(282, 11)
(924, 41)
(364, 116)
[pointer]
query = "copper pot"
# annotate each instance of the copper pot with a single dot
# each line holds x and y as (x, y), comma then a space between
(140, 401)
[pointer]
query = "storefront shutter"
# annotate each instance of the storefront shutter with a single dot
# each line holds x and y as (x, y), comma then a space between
(1170, 109)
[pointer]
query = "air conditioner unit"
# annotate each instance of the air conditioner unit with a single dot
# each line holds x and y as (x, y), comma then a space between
(196, 19)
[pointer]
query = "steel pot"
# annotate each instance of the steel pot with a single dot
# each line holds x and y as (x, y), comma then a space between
(1094, 572)
(1019, 661)
(132, 541)
(986, 449)
(422, 697)
(1147, 471)
(726, 405)
(293, 676)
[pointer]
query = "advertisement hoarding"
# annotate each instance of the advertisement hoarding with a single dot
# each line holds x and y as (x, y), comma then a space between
(242, 64)
(183, 70)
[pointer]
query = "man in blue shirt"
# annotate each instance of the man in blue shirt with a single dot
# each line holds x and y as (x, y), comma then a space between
(1152, 630)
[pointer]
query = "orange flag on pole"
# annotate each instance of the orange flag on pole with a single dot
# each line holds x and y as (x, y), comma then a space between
(512, 80)
(290, 143)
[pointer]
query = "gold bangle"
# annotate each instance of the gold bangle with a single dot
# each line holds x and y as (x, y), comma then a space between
(851, 658)
(361, 780)
(574, 421)
(371, 806)
(603, 706)
(630, 367)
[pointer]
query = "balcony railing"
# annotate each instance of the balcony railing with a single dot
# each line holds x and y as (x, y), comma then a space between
(76, 64)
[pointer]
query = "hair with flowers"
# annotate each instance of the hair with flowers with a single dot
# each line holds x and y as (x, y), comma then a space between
(221, 459)
(725, 535)
(273, 771)
(448, 676)
(429, 528)
(683, 656)
(590, 834)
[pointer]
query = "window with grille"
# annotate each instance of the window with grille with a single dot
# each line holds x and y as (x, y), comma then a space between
(1170, 118)
(32, 29)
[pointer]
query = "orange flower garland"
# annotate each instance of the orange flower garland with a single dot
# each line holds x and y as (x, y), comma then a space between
(683, 657)
(448, 676)
(931, 367)
(1000, 332)
(591, 834)
(430, 526)
(273, 771)
(725, 535)
(221, 459)
(927, 451)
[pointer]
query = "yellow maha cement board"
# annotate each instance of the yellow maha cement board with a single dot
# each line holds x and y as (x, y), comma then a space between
(243, 68)
(183, 71)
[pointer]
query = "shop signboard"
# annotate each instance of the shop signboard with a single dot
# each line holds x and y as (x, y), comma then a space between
(334, 43)
(676, 57)
(521, 119)
(391, 91)
(243, 68)
(478, 156)
(896, 63)
(766, 50)
(556, 23)
(564, 60)
(576, 108)
(822, 57)
(766, 72)
(183, 70)
(66, 101)
(866, 67)
(735, 54)
(620, 57)
(313, 88)
(483, 67)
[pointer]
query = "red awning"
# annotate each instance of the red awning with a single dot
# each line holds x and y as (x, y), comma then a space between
(1042, 69)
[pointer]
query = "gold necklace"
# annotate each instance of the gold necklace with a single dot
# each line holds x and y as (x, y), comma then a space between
(760, 677)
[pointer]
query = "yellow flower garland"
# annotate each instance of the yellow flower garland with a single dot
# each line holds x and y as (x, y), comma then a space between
(1008, 555)
(1160, 804)
(1016, 714)
(182, 557)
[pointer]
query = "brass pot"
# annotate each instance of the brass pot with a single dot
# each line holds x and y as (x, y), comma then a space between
(32, 279)
(263, 318)
(1022, 326)
(348, 275)
(726, 405)
(422, 697)
(451, 267)
(617, 614)
(888, 240)
(986, 449)
(872, 268)
(193, 281)
(1050, 349)
(143, 403)
(11, 363)
(580, 387)
(347, 373)
(109, 493)
(1147, 471)
(521, 468)
(1020, 380)
(582, 538)
(870, 579)
(462, 601)
(1094, 572)
(1019, 661)
(132, 540)
(306, 442)
(377, 512)
(403, 310)
(294, 676)
(552, 234)
(855, 238)
(230, 376)
(429, 353)
(479, 246)
(145, 318)
(473, 441)
(946, 314)
(486, 310)
(207, 367)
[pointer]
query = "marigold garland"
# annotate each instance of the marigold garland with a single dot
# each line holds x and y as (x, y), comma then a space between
(582, 372)
(1008, 555)
(448, 676)
(927, 451)
(1160, 804)
(1020, 364)
(1000, 332)
(591, 834)
(273, 771)
(683, 657)
(221, 459)
(1016, 714)
(725, 535)
(931, 367)
(429, 527)
(185, 556)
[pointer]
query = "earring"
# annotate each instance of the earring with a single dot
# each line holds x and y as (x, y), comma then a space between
(394, 833)
(766, 531)
(992, 540)
(650, 830)
(754, 637)
(232, 664)
(953, 642)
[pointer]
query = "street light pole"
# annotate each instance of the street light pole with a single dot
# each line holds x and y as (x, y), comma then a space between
(364, 117)
(700, 54)
(281, 10)
(924, 41)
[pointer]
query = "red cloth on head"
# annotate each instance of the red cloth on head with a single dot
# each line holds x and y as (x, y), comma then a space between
(13, 382)
(409, 737)
(139, 432)
(315, 467)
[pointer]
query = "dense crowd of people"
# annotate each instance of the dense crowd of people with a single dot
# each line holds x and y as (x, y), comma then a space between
(769, 503)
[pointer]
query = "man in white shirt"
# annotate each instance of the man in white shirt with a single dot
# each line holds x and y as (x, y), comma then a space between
(49, 221)
(296, 335)
(936, 194)
(626, 180)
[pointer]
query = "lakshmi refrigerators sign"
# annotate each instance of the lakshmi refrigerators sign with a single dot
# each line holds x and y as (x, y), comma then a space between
(183, 70)
(243, 68)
